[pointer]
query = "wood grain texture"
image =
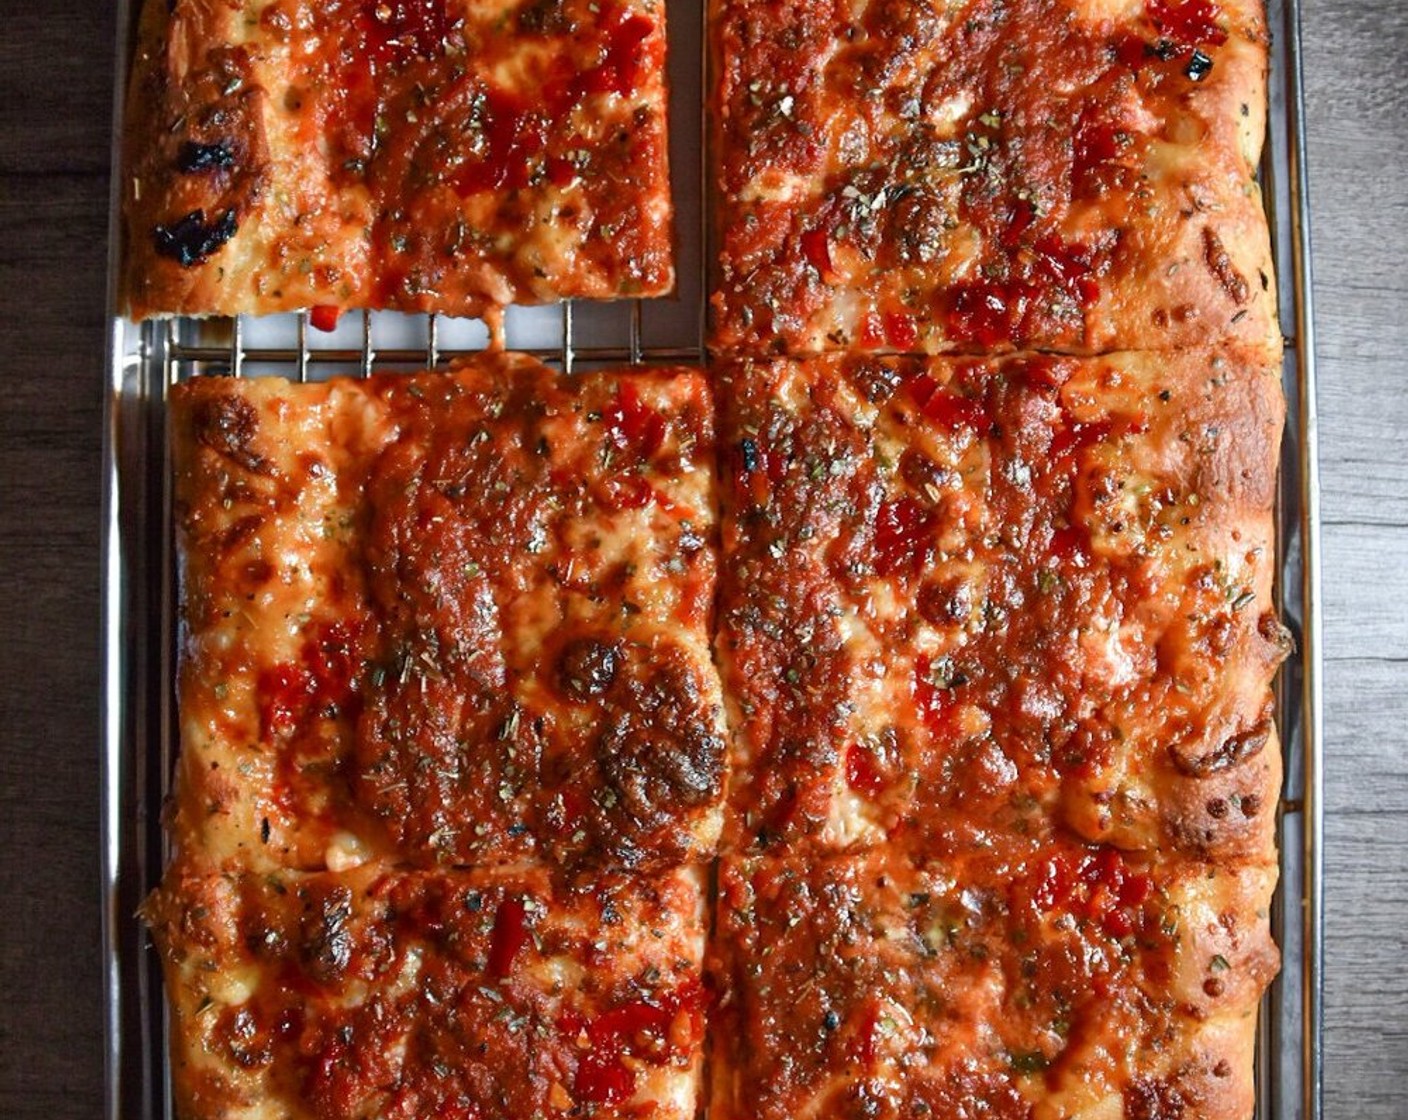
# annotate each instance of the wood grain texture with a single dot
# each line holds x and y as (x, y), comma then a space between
(55, 75)
(1355, 60)
(55, 83)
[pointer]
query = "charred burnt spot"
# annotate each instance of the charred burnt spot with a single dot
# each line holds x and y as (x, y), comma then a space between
(227, 424)
(659, 748)
(327, 934)
(587, 667)
(194, 158)
(191, 239)
(655, 757)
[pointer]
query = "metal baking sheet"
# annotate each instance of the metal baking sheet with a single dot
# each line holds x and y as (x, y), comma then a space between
(138, 735)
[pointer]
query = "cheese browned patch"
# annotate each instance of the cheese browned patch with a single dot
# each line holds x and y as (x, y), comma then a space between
(448, 618)
(988, 175)
(421, 155)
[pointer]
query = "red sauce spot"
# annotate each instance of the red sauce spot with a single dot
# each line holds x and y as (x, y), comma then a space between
(324, 317)
(397, 31)
(1071, 546)
(622, 68)
(900, 330)
(1045, 373)
(987, 312)
(756, 470)
(1097, 885)
(817, 249)
(946, 409)
(937, 704)
(862, 773)
(1098, 143)
(509, 936)
(512, 136)
(632, 425)
(1187, 22)
(1069, 267)
(1071, 440)
(903, 536)
(290, 694)
(1133, 52)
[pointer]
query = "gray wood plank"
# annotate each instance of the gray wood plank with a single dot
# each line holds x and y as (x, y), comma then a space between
(1356, 58)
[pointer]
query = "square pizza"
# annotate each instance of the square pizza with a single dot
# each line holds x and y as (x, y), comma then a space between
(452, 994)
(1019, 980)
(958, 594)
(984, 175)
(419, 155)
(448, 618)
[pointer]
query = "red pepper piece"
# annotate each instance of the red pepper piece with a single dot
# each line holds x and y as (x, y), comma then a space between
(1187, 22)
(1066, 264)
(509, 936)
(817, 249)
(936, 704)
(903, 530)
(324, 317)
(862, 773)
(633, 425)
(987, 313)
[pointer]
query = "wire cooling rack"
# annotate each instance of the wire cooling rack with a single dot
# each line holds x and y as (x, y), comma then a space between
(139, 595)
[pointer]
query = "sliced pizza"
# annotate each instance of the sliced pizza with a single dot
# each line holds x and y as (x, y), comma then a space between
(961, 592)
(1022, 980)
(984, 175)
(421, 155)
(452, 994)
(449, 618)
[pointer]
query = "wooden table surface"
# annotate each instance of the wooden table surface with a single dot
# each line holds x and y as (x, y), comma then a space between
(55, 92)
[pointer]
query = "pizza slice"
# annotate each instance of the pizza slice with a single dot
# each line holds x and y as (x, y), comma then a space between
(454, 994)
(1019, 981)
(451, 618)
(419, 155)
(956, 593)
(981, 175)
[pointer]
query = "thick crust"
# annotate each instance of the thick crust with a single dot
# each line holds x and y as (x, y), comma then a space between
(288, 154)
(454, 617)
(1071, 175)
(1025, 983)
(960, 593)
(405, 995)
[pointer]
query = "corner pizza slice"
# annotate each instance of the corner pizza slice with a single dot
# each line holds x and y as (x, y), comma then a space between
(961, 592)
(459, 995)
(420, 155)
(452, 618)
(1017, 982)
(980, 175)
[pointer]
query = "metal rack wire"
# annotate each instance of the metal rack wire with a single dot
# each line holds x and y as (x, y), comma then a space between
(139, 606)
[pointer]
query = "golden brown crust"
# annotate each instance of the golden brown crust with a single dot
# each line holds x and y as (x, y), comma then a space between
(1049, 980)
(457, 617)
(493, 995)
(1072, 175)
(289, 154)
(960, 592)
